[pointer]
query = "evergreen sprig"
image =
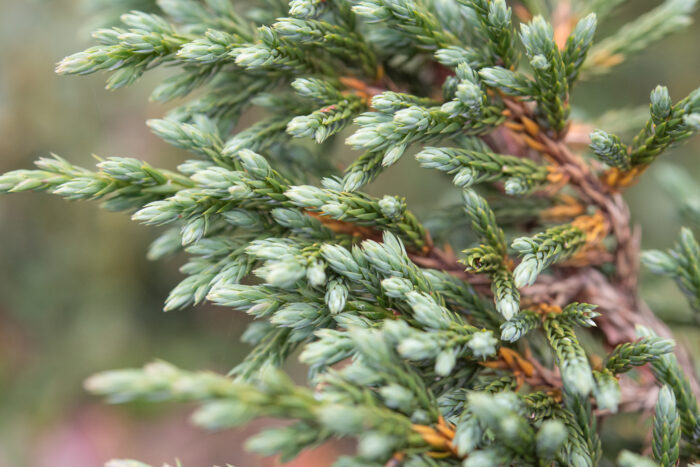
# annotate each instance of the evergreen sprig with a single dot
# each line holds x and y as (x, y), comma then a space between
(576, 371)
(668, 125)
(667, 429)
(495, 22)
(544, 249)
(473, 167)
(668, 372)
(682, 263)
(550, 72)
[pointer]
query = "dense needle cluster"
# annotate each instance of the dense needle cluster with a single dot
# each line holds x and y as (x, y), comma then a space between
(426, 356)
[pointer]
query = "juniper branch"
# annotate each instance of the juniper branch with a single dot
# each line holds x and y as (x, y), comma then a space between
(408, 353)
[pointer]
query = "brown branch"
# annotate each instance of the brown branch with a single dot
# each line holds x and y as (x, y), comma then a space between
(617, 298)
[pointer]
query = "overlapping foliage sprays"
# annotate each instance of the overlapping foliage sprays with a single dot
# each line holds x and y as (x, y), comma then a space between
(426, 356)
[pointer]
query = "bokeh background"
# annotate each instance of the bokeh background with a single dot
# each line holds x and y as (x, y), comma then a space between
(77, 295)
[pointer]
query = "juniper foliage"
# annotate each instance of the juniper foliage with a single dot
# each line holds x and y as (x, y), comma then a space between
(426, 357)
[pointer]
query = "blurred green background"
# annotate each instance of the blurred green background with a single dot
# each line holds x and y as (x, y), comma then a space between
(78, 296)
